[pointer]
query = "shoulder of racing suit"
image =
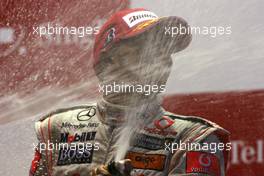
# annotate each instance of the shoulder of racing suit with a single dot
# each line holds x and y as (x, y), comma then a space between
(192, 128)
(61, 122)
(189, 118)
(52, 123)
(194, 120)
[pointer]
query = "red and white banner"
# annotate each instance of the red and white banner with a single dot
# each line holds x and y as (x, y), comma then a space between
(241, 113)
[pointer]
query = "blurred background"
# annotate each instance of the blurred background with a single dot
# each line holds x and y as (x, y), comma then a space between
(220, 78)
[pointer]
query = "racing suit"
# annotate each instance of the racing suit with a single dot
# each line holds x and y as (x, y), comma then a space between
(153, 150)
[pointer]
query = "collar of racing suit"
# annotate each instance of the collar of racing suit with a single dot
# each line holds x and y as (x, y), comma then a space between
(113, 114)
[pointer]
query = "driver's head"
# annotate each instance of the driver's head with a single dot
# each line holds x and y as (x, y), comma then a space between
(134, 47)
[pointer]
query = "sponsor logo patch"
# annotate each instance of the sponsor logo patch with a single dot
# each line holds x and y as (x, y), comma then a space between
(150, 142)
(75, 156)
(202, 162)
(147, 161)
(163, 123)
(83, 137)
(161, 127)
(79, 125)
(135, 18)
(86, 114)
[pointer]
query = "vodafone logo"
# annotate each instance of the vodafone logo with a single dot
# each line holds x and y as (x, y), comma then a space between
(161, 127)
(205, 160)
(135, 18)
(163, 123)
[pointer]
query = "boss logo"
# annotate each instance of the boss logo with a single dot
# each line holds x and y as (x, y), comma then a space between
(69, 156)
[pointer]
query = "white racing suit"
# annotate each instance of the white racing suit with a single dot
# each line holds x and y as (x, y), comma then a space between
(161, 146)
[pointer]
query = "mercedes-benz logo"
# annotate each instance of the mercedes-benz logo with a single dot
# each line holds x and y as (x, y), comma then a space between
(86, 114)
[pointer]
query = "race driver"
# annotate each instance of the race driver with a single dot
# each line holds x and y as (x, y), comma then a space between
(133, 48)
